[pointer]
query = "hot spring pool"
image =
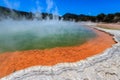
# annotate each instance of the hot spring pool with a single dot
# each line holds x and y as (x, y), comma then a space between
(27, 35)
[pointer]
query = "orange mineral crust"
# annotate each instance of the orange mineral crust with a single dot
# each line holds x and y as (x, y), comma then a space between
(13, 61)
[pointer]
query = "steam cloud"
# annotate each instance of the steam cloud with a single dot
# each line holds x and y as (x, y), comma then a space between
(37, 34)
(49, 5)
(38, 6)
(52, 6)
(25, 35)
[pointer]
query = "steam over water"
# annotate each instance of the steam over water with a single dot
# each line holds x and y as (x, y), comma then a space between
(27, 35)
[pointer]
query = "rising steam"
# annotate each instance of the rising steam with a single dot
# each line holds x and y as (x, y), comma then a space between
(49, 5)
(41, 34)
(26, 35)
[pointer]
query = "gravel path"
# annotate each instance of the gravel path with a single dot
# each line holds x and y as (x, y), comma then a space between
(105, 66)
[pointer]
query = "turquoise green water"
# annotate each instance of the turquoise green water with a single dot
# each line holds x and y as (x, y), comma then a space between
(44, 37)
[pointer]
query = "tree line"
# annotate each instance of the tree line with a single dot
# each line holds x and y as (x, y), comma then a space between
(15, 14)
(108, 18)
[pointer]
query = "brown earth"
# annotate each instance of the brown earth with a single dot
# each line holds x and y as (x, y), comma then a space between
(13, 61)
(109, 26)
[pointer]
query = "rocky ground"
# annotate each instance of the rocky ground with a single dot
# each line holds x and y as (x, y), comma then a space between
(105, 66)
